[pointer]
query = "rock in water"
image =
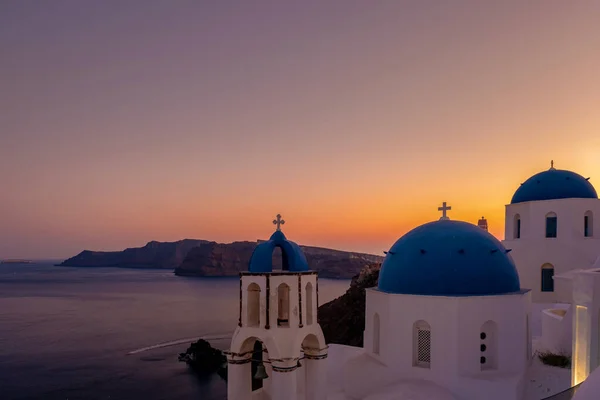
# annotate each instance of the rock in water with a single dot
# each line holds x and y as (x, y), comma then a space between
(203, 358)
(343, 319)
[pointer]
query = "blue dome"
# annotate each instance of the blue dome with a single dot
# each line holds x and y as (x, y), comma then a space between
(262, 257)
(554, 184)
(448, 258)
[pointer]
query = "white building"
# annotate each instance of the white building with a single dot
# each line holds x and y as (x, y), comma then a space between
(552, 226)
(278, 350)
(451, 317)
(448, 311)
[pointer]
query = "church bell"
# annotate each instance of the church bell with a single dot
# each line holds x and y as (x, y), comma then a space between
(261, 372)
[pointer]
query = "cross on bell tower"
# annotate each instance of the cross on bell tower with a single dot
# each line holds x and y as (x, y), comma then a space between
(278, 222)
(443, 209)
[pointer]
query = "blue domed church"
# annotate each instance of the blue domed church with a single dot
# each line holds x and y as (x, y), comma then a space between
(448, 312)
(552, 225)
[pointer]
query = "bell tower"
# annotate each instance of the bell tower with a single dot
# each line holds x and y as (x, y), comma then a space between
(278, 350)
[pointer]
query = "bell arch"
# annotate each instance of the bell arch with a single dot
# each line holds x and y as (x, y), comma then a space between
(249, 363)
(517, 226)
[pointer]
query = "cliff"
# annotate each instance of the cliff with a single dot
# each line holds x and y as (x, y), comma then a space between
(204, 258)
(153, 255)
(216, 259)
(343, 319)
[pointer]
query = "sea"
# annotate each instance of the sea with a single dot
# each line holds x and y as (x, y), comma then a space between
(111, 333)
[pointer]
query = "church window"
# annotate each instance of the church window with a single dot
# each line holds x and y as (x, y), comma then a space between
(488, 346)
(551, 225)
(547, 278)
(253, 305)
(309, 304)
(588, 224)
(517, 227)
(376, 333)
(283, 309)
(422, 344)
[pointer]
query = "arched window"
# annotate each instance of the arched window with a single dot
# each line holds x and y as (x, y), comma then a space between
(547, 278)
(309, 304)
(488, 346)
(253, 305)
(551, 225)
(421, 344)
(588, 224)
(376, 333)
(283, 309)
(517, 227)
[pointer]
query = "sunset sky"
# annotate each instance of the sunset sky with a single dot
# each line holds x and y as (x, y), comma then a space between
(123, 122)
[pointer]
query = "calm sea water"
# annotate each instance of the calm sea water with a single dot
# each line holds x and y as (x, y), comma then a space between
(108, 333)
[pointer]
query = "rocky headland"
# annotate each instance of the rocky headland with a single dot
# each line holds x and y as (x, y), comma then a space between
(167, 255)
(343, 319)
(191, 257)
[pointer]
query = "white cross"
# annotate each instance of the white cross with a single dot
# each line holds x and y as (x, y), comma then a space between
(278, 222)
(443, 209)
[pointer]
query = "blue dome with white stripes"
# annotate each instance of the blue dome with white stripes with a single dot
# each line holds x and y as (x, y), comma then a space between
(448, 258)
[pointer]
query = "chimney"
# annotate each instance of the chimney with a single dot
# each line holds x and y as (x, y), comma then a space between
(482, 223)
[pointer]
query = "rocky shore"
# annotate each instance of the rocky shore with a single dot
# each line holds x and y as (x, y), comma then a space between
(343, 319)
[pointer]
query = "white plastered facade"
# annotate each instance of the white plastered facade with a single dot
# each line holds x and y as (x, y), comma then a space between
(391, 345)
(569, 250)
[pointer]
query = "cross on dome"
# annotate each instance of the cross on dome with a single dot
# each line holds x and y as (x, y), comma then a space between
(278, 222)
(551, 164)
(443, 209)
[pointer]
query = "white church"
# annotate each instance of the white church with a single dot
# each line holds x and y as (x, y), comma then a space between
(451, 317)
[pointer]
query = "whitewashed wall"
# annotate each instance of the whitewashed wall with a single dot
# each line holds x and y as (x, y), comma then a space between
(569, 250)
(455, 344)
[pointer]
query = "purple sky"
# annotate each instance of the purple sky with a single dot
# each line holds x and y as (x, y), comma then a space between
(127, 121)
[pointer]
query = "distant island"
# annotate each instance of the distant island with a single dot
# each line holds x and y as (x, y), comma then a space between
(191, 257)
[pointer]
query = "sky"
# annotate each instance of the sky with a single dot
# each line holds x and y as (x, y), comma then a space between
(123, 122)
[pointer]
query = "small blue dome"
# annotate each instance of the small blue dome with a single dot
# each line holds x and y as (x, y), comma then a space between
(554, 184)
(262, 257)
(448, 258)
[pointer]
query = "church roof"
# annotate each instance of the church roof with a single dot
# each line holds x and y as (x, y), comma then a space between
(554, 184)
(293, 257)
(448, 258)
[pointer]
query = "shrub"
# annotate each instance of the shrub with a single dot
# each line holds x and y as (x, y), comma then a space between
(555, 360)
